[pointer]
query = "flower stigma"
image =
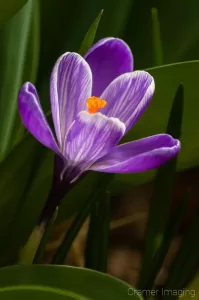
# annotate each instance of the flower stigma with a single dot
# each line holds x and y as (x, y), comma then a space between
(94, 104)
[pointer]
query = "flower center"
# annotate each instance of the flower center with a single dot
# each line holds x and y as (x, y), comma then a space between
(94, 104)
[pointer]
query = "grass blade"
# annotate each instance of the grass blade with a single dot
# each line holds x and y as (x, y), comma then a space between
(162, 194)
(62, 251)
(9, 8)
(170, 232)
(90, 36)
(31, 63)
(72, 233)
(98, 234)
(157, 44)
(33, 47)
(187, 259)
(41, 249)
(14, 36)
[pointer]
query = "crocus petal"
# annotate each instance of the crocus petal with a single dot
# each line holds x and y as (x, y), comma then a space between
(128, 96)
(139, 156)
(90, 137)
(33, 117)
(108, 59)
(70, 86)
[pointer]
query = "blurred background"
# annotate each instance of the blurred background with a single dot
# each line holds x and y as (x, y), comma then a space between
(164, 39)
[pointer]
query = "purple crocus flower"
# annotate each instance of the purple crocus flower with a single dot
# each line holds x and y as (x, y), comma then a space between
(95, 101)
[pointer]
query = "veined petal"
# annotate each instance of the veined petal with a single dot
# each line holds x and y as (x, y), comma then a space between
(70, 86)
(33, 117)
(139, 156)
(90, 137)
(108, 59)
(128, 96)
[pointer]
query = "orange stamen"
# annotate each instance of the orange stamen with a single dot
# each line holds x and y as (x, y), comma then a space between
(94, 104)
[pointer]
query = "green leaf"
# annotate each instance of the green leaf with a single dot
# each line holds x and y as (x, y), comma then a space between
(48, 230)
(16, 173)
(33, 250)
(116, 15)
(155, 118)
(80, 219)
(98, 234)
(168, 236)
(68, 206)
(185, 31)
(174, 126)
(180, 40)
(90, 36)
(31, 63)
(34, 197)
(61, 282)
(162, 194)
(14, 36)
(187, 259)
(72, 232)
(28, 252)
(33, 48)
(192, 288)
(157, 45)
(9, 8)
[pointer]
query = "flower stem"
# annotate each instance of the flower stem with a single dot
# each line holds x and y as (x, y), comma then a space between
(56, 194)
(61, 185)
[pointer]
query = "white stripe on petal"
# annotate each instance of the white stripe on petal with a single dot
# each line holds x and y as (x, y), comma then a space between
(71, 85)
(90, 137)
(128, 96)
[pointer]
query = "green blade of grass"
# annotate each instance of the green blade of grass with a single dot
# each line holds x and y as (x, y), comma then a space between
(162, 193)
(62, 251)
(98, 234)
(14, 43)
(157, 44)
(31, 64)
(49, 227)
(187, 259)
(169, 234)
(90, 36)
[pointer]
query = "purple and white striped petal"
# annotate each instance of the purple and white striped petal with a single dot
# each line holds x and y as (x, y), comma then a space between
(33, 117)
(108, 59)
(128, 97)
(90, 137)
(139, 156)
(70, 86)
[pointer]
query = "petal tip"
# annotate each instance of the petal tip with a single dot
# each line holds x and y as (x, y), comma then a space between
(27, 88)
(177, 146)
